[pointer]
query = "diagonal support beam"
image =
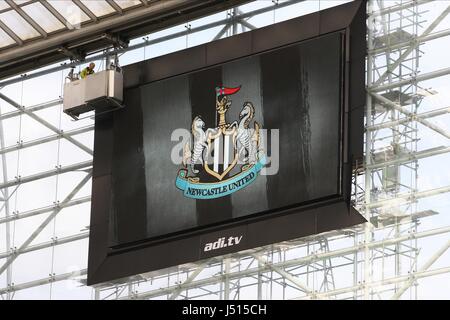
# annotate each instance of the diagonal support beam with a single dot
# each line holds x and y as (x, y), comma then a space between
(52, 243)
(27, 18)
(413, 42)
(45, 123)
(86, 10)
(115, 6)
(191, 278)
(35, 212)
(222, 32)
(146, 43)
(11, 33)
(33, 108)
(308, 259)
(413, 156)
(408, 113)
(57, 15)
(412, 80)
(424, 115)
(247, 24)
(404, 198)
(6, 206)
(40, 141)
(42, 175)
(399, 7)
(40, 282)
(425, 267)
(408, 51)
(286, 275)
(244, 22)
(41, 227)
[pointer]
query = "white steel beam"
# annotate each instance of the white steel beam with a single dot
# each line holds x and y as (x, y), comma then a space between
(365, 246)
(295, 262)
(11, 33)
(222, 32)
(83, 272)
(367, 271)
(284, 264)
(408, 113)
(425, 267)
(404, 159)
(28, 144)
(115, 6)
(384, 282)
(35, 212)
(189, 279)
(86, 10)
(48, 244)
(407, 197)
(58, 170)
(413, 80)
(93, 29)
(37, 107)
(289, 277)
(6, 196)
(27, 18)
(57, 15)
(407, 52)
(399, 7)
(146, 43)
(424, 115)
(41, 227)
(40, 282)
(45, 123)
(413, 42)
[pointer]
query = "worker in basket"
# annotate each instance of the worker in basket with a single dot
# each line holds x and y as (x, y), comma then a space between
(88, 70)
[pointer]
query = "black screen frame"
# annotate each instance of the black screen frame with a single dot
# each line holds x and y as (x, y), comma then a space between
(108, 263)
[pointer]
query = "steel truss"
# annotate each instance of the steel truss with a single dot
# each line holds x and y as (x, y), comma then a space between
(354, 263)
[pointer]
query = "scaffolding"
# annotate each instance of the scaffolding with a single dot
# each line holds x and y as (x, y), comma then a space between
(404, 243)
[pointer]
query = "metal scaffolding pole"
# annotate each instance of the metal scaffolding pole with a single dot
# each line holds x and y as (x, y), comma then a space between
(30, 239)
(424, 268)
(31, 213)
(410, 117)
(150, 42)
(310, 259)
(34, 108)
(286, 275)
(86, 165)
(41, 282)
(45, 123)
(5, 194)
(28, 144)
(368, 157)
(48, 244)
(391, 67)
(407, 52)
(411, 80)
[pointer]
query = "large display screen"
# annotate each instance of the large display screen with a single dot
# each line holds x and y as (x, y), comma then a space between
(230, 145)
(175, 127)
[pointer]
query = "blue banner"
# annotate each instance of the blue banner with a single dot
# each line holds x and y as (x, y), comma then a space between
(219, 189)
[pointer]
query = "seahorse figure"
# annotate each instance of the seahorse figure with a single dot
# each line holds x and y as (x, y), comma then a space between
(199, 142)
(244, 135)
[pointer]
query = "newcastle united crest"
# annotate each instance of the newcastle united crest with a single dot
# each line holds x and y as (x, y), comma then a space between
(229, 155)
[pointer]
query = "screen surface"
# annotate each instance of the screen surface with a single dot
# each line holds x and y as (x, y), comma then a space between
(294, 95)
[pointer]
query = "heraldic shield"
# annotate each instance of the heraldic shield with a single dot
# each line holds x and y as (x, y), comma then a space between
(219, 150)
(223, 145)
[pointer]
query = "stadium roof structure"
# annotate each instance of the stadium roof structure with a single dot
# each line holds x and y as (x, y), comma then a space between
(35, 33)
